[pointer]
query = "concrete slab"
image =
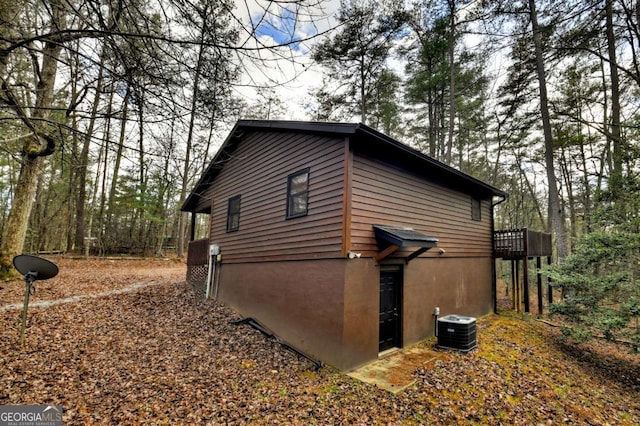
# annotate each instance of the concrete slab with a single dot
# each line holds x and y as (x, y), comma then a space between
(394, 369)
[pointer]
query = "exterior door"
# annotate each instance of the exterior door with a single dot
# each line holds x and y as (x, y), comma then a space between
(390, 309)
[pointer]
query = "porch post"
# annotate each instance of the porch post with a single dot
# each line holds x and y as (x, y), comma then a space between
(192, 232)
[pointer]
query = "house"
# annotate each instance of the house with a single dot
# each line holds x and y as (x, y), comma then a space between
(342, 240)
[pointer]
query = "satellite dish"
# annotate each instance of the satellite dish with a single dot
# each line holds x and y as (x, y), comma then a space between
(35, 267)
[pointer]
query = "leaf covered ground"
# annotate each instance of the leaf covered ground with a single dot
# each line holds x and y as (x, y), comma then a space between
(163, 355)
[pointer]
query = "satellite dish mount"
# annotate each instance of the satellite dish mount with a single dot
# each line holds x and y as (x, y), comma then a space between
(33, 268)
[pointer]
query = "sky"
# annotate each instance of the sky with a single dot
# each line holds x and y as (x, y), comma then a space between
(290, 72)
(294, 74)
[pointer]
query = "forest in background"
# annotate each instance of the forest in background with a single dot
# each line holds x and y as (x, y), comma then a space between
(110, 110)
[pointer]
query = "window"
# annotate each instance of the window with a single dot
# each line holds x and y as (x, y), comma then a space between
(297, 194)
(233, 214)
(475, 209)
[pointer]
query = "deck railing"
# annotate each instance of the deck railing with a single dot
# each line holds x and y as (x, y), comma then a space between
(508, 244)
(520, 243)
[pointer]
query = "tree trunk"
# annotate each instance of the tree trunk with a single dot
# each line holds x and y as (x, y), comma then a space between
(363, 97)
(442, 136)
(586, 200)
(71, 195)
(530, 189)
(91, 237)
(38, 219)
(432, 124)
(555, 208)
(142, 173)
(83, 165)
(118, 159)
(605, 157)
(615, 181)
(41, 143)
(452, 82)
(182, 218)
(103, 191)
(567, 172)
(163, 193)
(74, 141)
(18, 220)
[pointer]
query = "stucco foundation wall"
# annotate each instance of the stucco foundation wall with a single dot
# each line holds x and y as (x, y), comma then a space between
(300, 301)
(362, 312)
(330, 308)
(455, 285)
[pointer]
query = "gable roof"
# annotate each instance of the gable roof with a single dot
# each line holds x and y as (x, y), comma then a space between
(363, 139)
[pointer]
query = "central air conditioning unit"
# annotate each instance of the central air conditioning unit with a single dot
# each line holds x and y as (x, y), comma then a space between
(457, 332)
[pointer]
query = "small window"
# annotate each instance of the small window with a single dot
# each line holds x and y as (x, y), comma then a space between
(233, 214)
(297, 194)
(475, 209)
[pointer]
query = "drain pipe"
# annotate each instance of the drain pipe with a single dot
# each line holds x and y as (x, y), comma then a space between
(436, 314)
(494, 283)
(214, 251)
(210, 274)
(216, 275)
(254, 324)
(269, 334)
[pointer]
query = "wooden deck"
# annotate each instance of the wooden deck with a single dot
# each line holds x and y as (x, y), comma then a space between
(518, 246)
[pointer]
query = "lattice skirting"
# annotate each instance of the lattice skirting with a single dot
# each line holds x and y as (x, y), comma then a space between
(197, 276)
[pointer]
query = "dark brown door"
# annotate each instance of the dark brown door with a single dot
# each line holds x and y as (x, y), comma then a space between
(390, 287)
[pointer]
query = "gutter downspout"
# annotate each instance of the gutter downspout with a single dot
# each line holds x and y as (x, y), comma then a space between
(494, 284)
(216, 275)
(214, 271)
(210, 275)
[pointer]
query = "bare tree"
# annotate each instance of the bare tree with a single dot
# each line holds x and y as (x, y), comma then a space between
(43, 137)
(556, 217)
(142, 52)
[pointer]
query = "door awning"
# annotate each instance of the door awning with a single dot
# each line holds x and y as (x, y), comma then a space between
(395, 237)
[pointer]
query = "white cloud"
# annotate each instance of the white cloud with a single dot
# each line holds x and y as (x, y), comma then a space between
(288, 70)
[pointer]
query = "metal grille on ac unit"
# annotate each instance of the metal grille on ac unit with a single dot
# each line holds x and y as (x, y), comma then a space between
(457, 332)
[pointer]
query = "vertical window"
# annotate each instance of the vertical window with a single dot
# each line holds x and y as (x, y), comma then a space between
(233, 214)
(475, 209)
(297, 194)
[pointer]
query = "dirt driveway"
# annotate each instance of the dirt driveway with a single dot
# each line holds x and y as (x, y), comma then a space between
(79, 276)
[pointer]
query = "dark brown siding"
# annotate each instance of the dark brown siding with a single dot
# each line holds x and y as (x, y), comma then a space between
(258, 170)
(384, 195)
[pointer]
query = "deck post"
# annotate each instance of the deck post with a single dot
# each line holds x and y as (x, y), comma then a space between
(514, 285)
(518, 304)
(525, 280)
(549, 289)
(539, 274)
